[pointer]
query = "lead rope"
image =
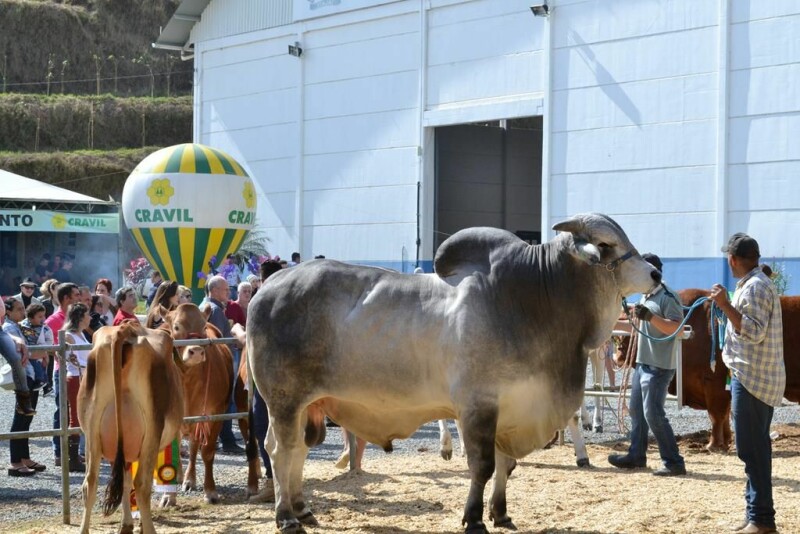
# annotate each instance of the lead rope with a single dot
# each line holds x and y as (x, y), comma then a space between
(622, 408)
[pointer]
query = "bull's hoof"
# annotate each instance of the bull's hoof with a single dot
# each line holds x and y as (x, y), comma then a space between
(168, 500)
(308, 519)
(446, 454)
(583, 462)
(212, 497)
(476, 528)
(587, 426)
(188, 485)
(506, 523)
(291, 526)
(713, 447)
(598, 429)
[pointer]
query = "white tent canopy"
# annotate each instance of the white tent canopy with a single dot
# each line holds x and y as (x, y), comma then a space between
(16, 188)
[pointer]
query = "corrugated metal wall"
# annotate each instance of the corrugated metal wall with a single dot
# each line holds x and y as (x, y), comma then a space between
(223, 18)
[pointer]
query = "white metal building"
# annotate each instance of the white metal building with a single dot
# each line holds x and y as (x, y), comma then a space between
(371, 124)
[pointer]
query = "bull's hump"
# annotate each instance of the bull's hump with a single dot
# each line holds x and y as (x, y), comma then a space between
(473, 250)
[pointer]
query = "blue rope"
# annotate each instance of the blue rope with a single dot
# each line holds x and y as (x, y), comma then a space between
(696, 304)
(717, 334)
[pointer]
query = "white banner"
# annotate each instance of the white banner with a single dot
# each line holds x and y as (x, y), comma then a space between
(58, 221)
(308, 9)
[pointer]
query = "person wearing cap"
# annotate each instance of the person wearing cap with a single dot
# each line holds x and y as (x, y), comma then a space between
(26, 290)
(660, 314)
(753, 352)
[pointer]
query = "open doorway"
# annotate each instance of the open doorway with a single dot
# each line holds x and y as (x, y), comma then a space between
(489, 174)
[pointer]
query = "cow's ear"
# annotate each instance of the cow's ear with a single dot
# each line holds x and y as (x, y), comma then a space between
(207, 311)
(573, 226)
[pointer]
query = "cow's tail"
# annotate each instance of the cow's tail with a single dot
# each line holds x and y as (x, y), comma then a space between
(114, 490)
(315, 426)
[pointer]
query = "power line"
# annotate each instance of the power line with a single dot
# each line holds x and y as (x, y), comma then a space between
(59, 82)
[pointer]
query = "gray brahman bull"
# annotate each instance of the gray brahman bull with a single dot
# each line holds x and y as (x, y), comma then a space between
(498, 338)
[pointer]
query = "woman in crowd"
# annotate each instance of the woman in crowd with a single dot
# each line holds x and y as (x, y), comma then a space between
(184, 295)
(166, 297)
(15, 352)
(104, 289)
(21, 464)
(48, 290)
(78, 319)
(99, 314)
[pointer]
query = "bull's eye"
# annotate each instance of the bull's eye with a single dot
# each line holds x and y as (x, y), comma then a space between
(603, 246)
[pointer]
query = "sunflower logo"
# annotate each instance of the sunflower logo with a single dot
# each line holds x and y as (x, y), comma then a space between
(59, 221)
(249, 195)
(160, 191)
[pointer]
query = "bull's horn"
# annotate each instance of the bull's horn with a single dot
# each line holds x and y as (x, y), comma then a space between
(572, 226)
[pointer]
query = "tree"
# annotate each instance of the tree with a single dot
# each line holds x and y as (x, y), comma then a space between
(98, 69)
(51, 64)
(146, 61)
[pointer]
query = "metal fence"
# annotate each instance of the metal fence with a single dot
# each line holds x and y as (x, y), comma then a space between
(64, 431)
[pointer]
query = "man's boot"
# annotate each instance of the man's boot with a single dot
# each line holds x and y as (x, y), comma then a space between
(24, 403)
(75, 463)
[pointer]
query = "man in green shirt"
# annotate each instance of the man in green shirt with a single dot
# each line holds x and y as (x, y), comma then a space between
(660, 314)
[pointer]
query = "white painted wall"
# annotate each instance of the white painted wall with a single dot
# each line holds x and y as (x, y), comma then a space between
(679, 118)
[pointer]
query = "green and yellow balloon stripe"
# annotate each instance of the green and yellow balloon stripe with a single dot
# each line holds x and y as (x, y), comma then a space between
(181, 253)
(189, 158)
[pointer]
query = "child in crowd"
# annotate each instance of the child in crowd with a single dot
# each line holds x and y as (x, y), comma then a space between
(36, 333)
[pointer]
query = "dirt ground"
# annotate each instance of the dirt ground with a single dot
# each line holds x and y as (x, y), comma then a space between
(546, 494)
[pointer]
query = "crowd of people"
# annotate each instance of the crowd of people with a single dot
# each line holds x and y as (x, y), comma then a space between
(47, 308)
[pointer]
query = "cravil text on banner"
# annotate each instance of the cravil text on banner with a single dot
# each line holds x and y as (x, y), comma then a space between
(56, 221)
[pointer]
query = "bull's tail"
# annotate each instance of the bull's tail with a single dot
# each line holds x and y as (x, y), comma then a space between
(114, 490)
(315, 426)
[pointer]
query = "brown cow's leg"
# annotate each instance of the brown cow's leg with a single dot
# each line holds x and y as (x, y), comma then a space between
(143, 482)
(127, 518)
(719, 410)
(208, 452)
(497, 509)
(89, 487)
(190, 476)
(480, 426)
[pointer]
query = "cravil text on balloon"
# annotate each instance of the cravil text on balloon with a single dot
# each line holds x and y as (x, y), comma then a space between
(163, 215)
(241, 217)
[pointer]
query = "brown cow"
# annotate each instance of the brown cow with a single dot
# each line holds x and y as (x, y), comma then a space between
(130, 406)
(206, 390)
(704, 389)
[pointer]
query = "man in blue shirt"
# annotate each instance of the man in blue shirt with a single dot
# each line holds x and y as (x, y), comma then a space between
(660, 314)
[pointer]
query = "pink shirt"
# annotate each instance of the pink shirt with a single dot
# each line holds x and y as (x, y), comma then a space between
(56, 323)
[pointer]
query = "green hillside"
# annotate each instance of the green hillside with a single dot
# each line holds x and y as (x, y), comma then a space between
(88, 47)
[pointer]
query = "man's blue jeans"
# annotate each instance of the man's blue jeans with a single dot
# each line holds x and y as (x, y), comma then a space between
(648, 394)
(751, 421)
(226, 436)
(56, 416)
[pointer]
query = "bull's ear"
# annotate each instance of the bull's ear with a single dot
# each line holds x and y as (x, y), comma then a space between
(206, 311)
(573, 226)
